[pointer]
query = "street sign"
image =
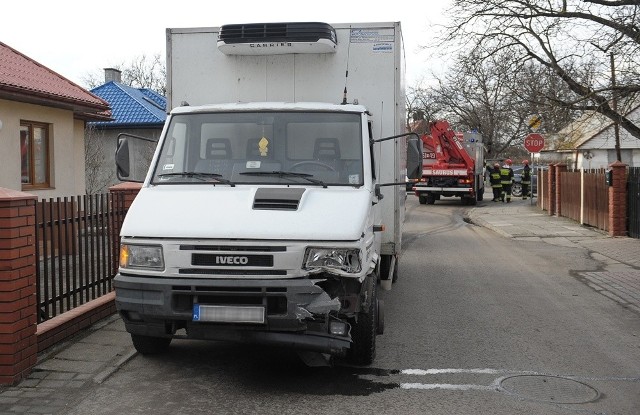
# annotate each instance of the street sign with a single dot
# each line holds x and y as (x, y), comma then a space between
(535, 122)
(534, 143)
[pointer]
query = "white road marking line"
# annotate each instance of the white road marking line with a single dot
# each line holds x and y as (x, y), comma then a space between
(424, 372)
(495, 385)
(445, 386)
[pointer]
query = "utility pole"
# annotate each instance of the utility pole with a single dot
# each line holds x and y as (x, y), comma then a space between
(616, 124)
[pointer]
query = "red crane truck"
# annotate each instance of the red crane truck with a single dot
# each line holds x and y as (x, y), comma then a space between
(452, 165)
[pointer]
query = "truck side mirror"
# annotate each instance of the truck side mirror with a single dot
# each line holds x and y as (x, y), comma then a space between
(122, 159)
(414, 158)
(133, 157)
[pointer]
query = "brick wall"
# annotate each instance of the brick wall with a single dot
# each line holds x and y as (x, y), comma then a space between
(67, 324)
(618, 200)
(18, 345)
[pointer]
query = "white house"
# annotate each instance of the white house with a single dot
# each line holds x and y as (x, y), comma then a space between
(590, 143)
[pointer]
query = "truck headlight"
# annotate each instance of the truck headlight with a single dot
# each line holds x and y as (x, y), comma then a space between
(141, 256)
(345, 259)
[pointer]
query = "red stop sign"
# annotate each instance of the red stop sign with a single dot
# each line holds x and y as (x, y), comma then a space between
(534, 143)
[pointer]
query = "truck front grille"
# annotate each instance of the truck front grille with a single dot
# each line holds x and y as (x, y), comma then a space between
(232, 260)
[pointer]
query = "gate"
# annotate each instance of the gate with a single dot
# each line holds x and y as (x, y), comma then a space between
(633, 202)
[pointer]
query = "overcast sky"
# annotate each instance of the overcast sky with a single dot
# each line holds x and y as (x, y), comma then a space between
(75, 38)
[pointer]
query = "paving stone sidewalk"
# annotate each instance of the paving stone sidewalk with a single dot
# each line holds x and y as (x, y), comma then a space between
(67, 372)
(620, 256)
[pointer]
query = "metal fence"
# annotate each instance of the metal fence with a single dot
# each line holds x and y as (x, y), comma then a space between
(76, 245)
(633, 202)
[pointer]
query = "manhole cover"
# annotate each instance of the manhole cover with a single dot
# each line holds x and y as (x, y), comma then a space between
(549, 389)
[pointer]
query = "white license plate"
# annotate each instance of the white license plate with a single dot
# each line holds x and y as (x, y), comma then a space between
(228, 314)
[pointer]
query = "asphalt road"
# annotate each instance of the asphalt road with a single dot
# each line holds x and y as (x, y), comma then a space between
(476, 324)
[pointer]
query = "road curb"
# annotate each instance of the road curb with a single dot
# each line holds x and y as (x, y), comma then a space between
(109, 370)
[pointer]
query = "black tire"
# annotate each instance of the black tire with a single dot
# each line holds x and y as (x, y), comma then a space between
(380, 309)
(516, 190)
(431, 199)
(363, 333)
(147, 345)
(422, 199)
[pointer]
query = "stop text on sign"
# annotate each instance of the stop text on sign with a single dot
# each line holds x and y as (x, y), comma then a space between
(534, 143)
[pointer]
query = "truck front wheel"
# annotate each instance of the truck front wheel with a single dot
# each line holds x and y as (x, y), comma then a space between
(150, 345)
(363, 333)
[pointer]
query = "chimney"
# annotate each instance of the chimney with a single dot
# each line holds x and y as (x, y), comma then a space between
(112, 74)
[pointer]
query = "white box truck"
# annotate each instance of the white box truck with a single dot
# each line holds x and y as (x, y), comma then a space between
(273, 207)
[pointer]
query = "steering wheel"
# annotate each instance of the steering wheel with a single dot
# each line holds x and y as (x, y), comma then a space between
(312, 162)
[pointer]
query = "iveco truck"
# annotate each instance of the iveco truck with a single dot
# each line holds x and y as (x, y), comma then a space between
(273, 208)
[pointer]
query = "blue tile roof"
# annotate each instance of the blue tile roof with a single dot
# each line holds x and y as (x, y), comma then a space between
(131, 107)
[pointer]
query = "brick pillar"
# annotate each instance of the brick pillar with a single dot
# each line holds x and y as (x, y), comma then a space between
(551, 189)
(18, 323)
(123, 195)
(618, 200)
(560, 168)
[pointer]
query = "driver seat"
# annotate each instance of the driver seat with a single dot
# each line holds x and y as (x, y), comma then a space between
(217, 157)
(327, 151)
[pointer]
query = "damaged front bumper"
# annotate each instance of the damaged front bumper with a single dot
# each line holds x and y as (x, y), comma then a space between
(296, 312)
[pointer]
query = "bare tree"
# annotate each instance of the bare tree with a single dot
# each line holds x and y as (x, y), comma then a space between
(573, 39)
(494, 97)
(100, 175)
(141, 72)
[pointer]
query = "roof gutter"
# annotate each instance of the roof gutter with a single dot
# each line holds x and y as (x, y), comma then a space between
(52, 100)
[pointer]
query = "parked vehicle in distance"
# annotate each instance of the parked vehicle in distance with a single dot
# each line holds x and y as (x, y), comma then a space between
(516, 188)
(452, 165)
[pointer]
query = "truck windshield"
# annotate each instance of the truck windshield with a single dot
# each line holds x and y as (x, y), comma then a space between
(229, 148)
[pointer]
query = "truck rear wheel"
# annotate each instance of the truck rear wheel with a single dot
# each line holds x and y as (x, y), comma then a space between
(422, 199)
(363, 333)
(431, 199)
(150, 345)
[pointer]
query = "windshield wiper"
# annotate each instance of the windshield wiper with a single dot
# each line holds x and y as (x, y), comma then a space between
(285, 174)
(200, 176)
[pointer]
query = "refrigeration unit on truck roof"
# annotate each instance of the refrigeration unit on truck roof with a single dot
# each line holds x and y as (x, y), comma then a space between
(276, 38)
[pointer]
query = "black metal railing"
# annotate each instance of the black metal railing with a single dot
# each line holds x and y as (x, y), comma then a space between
(76, 250)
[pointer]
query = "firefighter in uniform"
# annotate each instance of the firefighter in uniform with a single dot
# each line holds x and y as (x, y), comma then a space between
(494, 179)
(506, 179)
(526, 180)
